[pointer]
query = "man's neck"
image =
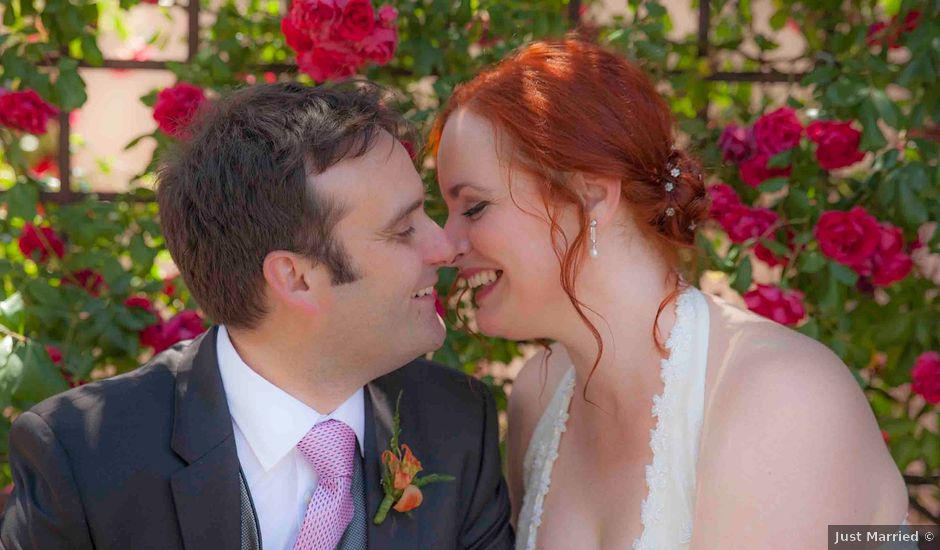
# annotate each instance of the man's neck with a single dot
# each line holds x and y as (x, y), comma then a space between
(300, 368)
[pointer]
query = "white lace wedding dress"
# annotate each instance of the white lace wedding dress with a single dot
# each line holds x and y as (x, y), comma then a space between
(667, 511)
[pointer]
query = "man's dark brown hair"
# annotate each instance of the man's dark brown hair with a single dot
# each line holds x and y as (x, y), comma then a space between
(239, 188)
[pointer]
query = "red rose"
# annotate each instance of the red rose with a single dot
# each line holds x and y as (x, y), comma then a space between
(168, 287)
(297, 40)
(765, 255)
(184, 325)
(439, 305)
(356, 21)
(836, 143)
(848, 237)
(46, 165)
(777, 132)
(87, 279)
(881, 33)
(152, 336)
(754, 171)
(743, 222)
(141, 302)
(175, 108)
(314, 17)
(783, 306)
(43, 239)
(379, 47)
(723, 198)
(324, 64)
(926, 376)
(25, 111)
(888, 263)
(736, 143)
(54, 354)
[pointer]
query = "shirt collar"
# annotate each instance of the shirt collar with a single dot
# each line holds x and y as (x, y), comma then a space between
(273, 421)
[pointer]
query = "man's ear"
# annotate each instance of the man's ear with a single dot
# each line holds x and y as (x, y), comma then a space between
(294, 280)
(599, 195)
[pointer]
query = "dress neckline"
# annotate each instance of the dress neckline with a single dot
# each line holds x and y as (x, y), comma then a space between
(664, 404)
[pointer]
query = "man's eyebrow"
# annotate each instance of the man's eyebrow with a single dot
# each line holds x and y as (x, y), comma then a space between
(454, 191)
(404, 212)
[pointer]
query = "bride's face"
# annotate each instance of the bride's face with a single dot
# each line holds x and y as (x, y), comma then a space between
(498, 222)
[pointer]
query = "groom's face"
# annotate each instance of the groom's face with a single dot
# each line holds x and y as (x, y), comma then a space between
(393, 247)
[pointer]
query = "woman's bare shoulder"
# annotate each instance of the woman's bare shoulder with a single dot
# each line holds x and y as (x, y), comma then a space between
(786, 415)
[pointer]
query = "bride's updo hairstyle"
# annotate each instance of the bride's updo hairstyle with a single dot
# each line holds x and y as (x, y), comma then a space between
(570, 106)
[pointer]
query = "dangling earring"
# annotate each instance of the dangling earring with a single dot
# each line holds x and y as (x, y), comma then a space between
(593, 238)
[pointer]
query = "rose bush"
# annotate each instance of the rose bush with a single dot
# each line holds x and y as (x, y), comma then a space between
(821, 200)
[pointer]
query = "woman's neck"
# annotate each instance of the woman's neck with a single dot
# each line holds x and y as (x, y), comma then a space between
(623, 295)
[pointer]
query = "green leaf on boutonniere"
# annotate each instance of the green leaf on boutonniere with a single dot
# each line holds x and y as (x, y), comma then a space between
(399, 474)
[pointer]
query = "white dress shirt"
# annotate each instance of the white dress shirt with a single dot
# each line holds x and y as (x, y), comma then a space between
(268, 424)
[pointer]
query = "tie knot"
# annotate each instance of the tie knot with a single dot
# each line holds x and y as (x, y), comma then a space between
(330, 447)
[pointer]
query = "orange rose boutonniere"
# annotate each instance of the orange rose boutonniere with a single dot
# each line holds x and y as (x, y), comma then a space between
(400, 483)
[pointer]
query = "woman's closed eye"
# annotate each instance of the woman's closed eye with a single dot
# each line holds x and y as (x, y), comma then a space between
(474, 211)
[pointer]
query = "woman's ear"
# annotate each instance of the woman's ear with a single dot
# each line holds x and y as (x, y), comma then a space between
(600, 196)
(292, 279)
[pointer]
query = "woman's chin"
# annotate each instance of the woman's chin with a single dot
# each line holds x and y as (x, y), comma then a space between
(494, 325)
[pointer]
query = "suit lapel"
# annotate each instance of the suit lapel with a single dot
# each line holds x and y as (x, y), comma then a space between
(206, 492)
(396, 531)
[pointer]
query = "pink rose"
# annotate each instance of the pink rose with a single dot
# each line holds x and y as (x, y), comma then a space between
(736, 143)
(754, 171)
(836, 143)
(888, 263)
(388, 17)
(848, 237)
(25, 111)
(723, 198)
(777, 131)
(356, 21)
(379, 47)
(743, 222)
(783, 306)
(324, 64)
(926, 376)
(43, 239)
(175, 108)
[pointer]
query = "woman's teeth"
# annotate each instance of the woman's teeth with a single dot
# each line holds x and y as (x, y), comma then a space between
(482, 278)
(423, 292)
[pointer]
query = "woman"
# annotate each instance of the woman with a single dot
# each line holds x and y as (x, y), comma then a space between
(569, 206)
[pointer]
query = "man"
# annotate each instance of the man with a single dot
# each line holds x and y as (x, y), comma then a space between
(296, 219)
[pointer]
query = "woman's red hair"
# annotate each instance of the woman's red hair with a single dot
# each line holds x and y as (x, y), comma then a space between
(570, 106)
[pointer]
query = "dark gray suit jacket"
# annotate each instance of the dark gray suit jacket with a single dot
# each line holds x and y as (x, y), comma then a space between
(148, 460)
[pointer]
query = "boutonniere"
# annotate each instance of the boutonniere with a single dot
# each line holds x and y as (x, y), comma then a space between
(400, 468)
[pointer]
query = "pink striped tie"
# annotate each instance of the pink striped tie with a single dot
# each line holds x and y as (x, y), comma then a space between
(330, 447)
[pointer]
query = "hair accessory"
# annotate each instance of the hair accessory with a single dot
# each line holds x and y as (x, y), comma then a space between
(670, 211)
(674, 172)
(669, 186)
(692, 226)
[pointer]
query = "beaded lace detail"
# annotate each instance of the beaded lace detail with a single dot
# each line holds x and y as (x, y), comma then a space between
(666, 407)
(539, 458)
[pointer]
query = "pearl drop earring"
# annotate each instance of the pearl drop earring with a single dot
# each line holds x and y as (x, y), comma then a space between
(593, 238)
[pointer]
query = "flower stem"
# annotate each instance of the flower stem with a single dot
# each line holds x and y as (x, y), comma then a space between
(383, 509)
